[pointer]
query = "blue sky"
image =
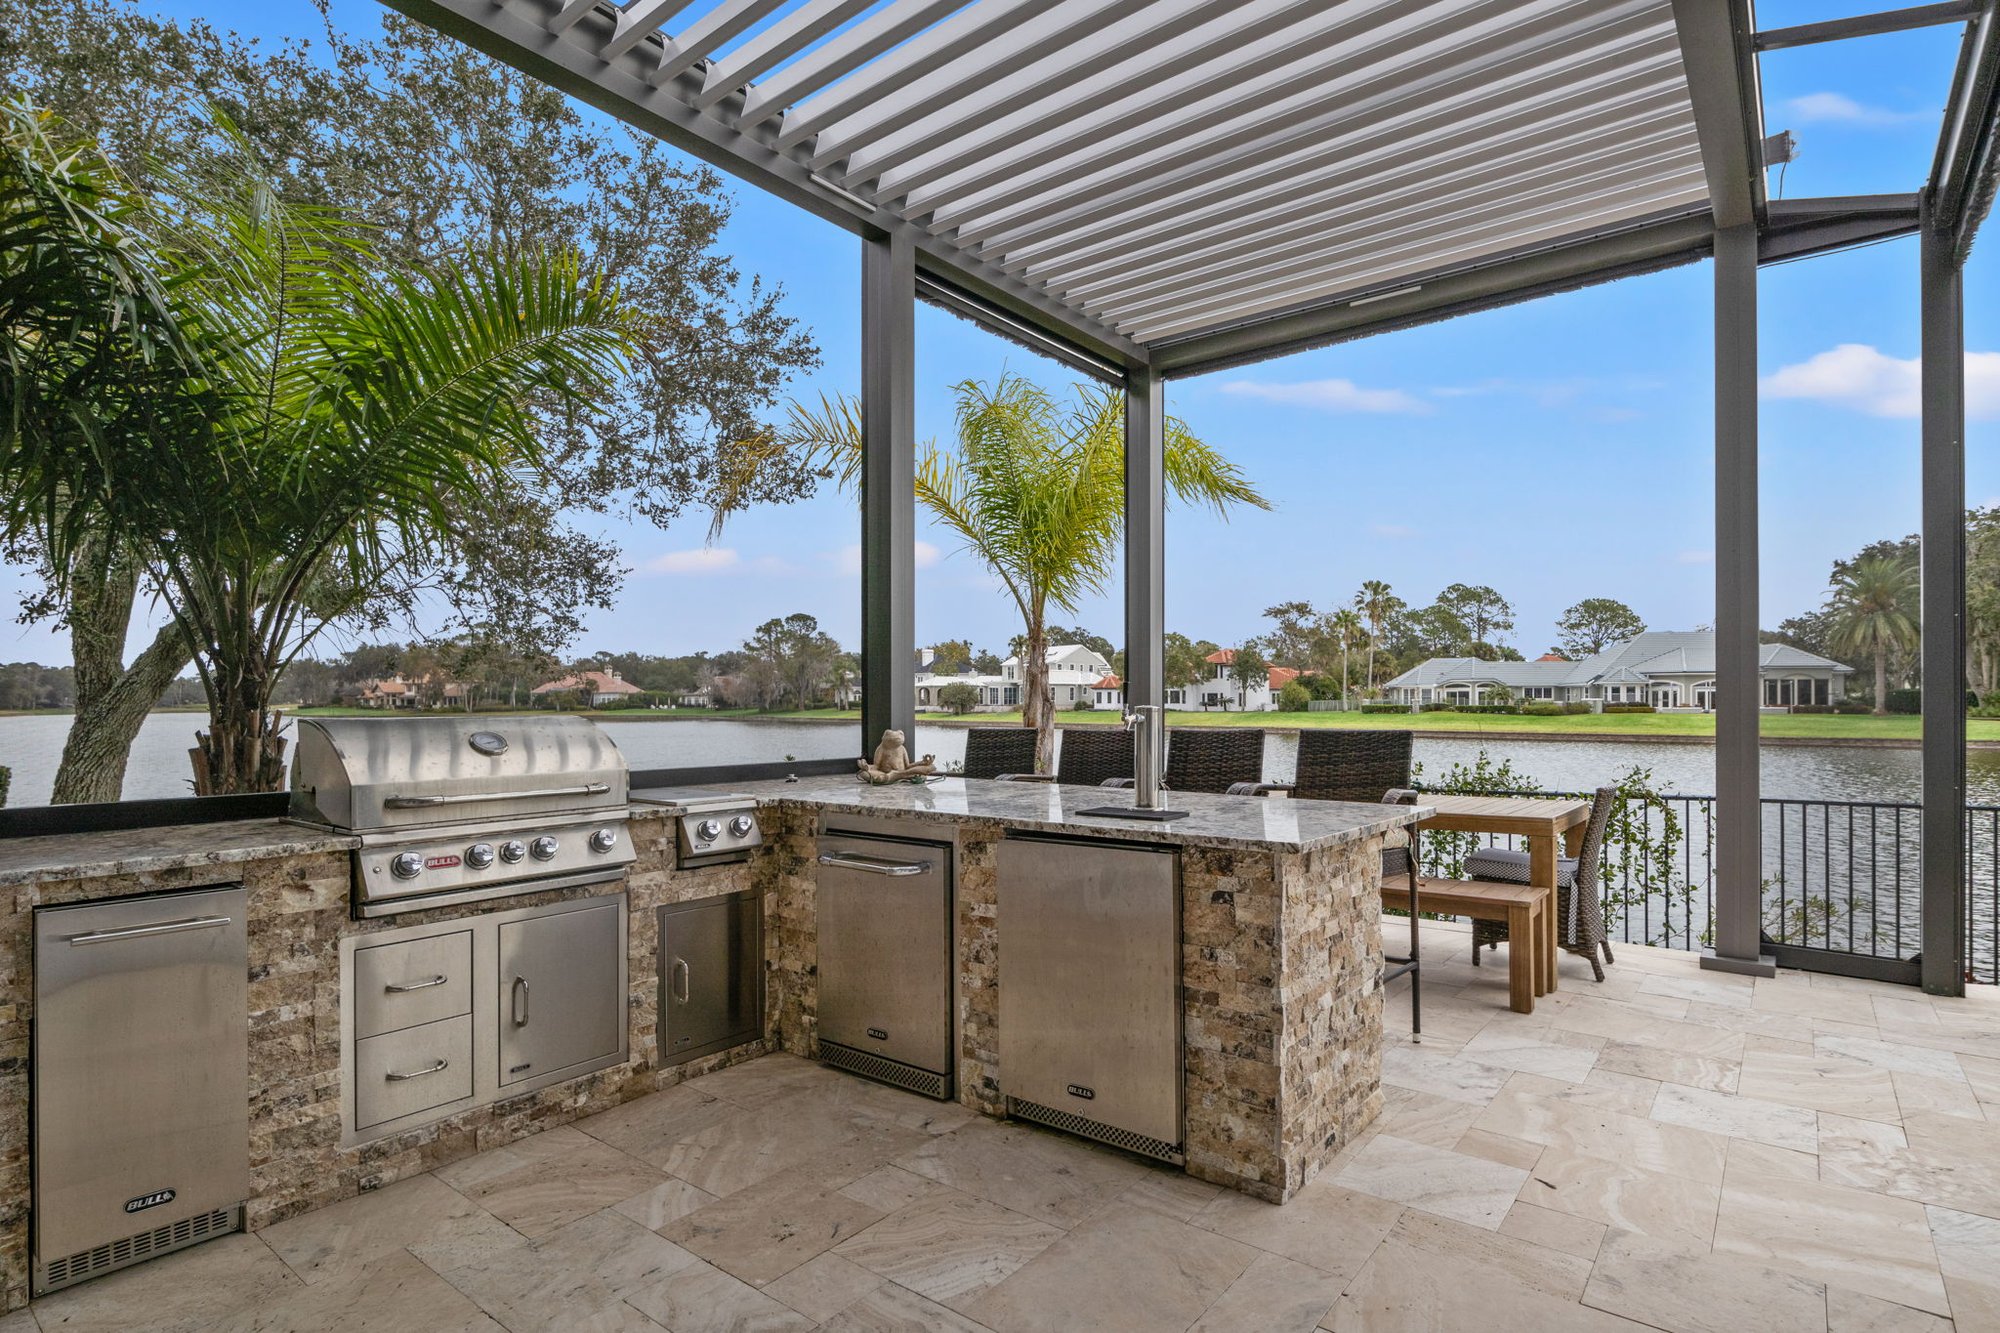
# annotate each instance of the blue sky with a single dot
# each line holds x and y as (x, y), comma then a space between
(1555, 451)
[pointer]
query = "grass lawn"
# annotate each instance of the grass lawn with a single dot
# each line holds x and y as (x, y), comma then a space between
(1807, 726)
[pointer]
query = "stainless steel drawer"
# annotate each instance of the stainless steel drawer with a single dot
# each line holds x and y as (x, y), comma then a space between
(404, 1072)
(399, 986)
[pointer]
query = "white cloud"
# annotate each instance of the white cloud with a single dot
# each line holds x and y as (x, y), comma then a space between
(848, 558)
(701, 560)
(1334, 395)
(1840, 109)
(1861, 377)
(1695, 558)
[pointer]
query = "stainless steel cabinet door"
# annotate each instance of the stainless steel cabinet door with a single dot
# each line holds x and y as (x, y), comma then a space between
(711, 970)
(559, 996)
(1090, 1004)
(142, 1081)
(885, 949)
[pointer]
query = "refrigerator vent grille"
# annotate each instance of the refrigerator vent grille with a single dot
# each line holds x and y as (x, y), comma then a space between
(886, 1071)
(1142, 1144)
(144, 1245)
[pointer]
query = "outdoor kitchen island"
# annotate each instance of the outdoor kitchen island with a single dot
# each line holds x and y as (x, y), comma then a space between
(1280, 949)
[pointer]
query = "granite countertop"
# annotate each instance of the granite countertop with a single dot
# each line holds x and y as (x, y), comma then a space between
(173, 847)
(1212, 821)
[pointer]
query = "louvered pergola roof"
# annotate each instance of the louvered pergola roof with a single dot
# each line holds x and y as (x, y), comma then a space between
(1190, 183)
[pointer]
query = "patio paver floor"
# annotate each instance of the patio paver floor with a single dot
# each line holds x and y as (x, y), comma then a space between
(1670, 1149)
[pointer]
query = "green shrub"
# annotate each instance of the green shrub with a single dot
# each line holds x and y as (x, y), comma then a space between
(1389, 708)
(959, 697)
(1294, 698)
(1485, 708)
(1906, 701)
(1436, 708)
(1575, 708)
(6, 780)
(1542, 708)
(1630, 708)
(1813, 708)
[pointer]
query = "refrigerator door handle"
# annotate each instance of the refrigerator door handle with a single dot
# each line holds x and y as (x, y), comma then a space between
(147, 932)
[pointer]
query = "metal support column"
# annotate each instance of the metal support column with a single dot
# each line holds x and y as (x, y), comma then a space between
(1739, 839)
(1145, 538)
(1943, 318)
(888, 488)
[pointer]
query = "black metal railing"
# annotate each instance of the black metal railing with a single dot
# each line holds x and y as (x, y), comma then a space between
(1840, 877)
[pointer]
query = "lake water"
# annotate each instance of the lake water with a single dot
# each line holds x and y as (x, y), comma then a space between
(32, 746)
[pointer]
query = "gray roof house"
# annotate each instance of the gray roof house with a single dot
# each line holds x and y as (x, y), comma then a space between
(1669, 669)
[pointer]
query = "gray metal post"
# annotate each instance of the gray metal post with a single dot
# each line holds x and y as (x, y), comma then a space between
(1145, 538)
(1943, 911)
(888, 488)
(1739, 839)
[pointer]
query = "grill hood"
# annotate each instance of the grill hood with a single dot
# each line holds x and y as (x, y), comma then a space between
(373, 774)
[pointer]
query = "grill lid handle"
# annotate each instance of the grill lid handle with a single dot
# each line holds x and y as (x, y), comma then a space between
(480, 797)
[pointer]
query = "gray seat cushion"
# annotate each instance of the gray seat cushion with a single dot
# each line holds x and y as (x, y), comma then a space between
(1510, 867)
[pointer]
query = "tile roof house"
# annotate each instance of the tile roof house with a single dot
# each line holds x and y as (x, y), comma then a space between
(604, 686)
(1217, 691)
(1669, 669)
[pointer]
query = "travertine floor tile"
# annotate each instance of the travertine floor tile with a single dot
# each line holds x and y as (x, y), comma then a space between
(1764, 1160)
(1891, 1055)
(1274, 1295)
(790, 1133)
(1124, 1268)
(1735, 1117)
(1438, 1180)
(1836, 1235)
(1820, 1083)
(583, 1269)
(1918, 1093)
(823, 1286)
(1499, 1148)
(1579, 1127)
(887, 1188)
(1564, 1232)
(649, 1126)
(949, 1248)
(665, 1202)
(1694, 1071)
(1449, 1077)
(1167, 1191)
(1852, 1312)
(1431, 1275)
(1425, 1117)
(893, 1309)
(1326, 1226)
(704, 1299)
(541, 1184)
(1047, 1176)
(1683, 1291)
(1968, 1249)
(759, 1082)
(395, 1291)
(1569, 1060)
(346, 1237)
(1619, 1194)
(763, 1232)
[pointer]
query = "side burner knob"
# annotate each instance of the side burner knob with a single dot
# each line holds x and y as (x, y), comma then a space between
(708, 830)
(742, 826)
(512, 850)
(603, 840)
(479, 855)
(406, 865)
(544, 848)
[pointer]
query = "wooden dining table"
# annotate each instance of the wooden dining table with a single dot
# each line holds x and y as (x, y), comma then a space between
(1544, 821)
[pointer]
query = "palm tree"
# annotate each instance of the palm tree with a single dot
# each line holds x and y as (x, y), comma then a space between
(1347, 631)
(339, 423)
(1376, 603)
(1874, 607)
(1036, 490)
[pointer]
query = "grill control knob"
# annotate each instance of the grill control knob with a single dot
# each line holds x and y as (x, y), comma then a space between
(708, 830)
(743, 826)
(544, 848)
(406, 865)
(512, 850)
(479, 855)
(603, 840)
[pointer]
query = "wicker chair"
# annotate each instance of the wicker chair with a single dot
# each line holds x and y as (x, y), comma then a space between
(1579, 899)
(1214, 759)
(1348, 766)
(992, 752)
(1094, 756)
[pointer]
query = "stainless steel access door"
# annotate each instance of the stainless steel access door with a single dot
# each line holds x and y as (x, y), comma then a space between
(141, 1069)
(1090, 1003)
(885, 949)
(561, 1002)
(711, 976)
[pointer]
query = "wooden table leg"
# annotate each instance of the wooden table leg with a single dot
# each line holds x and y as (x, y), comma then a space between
(1542, 874)
(1522, 963)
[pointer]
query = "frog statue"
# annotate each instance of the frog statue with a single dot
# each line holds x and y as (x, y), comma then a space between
(892, 762)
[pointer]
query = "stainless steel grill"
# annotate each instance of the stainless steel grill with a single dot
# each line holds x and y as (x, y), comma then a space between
(456, 810)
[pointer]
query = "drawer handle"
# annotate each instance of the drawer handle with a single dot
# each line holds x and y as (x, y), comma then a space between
(142, 932)
(681, 980)
(520, 1002)
(437, 1068)
(873, 865)
(404, 988)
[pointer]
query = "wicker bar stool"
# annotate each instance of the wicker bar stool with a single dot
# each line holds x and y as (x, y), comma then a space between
(996, 752)
(1579, 895)
(1348, 765)
(1094, 756)
(1214, 759)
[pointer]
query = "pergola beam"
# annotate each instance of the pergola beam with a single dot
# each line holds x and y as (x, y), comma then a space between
(509, 32)
(1728, 108)
(1966, 146)
(1867, 25)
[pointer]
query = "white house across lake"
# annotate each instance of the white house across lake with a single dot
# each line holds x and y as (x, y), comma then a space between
(1669, 669)
(1074, 675)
